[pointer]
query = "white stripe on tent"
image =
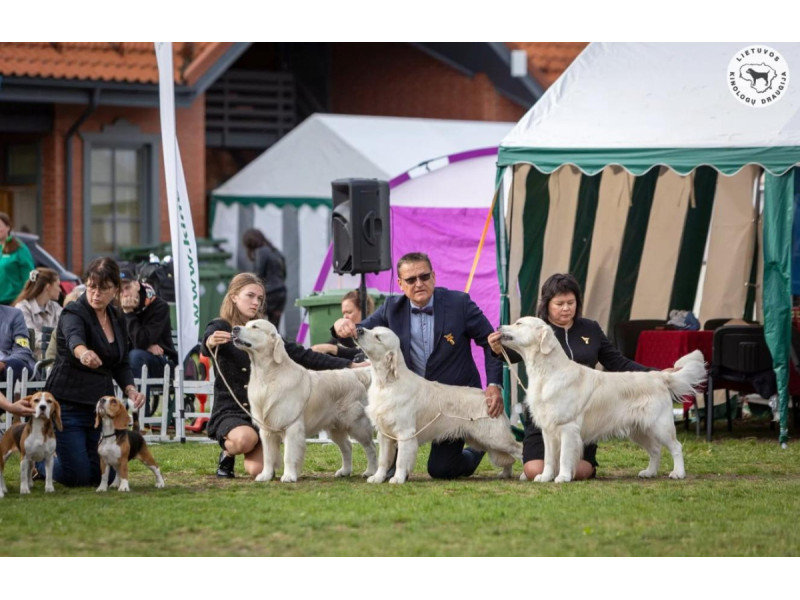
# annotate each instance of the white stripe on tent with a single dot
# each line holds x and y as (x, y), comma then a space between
(616, 189)
(730, 246)
(315, 233)
(516, 238)
(662, 246)
(564, 186)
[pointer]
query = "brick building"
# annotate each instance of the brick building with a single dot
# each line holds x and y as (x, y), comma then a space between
(80, 159)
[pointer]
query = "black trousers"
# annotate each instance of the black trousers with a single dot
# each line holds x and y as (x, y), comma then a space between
(450, 459)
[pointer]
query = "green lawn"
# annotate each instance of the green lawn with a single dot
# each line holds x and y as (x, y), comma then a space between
(740, 498)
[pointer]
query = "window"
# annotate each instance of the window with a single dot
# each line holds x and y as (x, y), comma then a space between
(121, 204)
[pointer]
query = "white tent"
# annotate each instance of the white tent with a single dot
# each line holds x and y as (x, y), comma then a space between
(642, 158)
(286, 192)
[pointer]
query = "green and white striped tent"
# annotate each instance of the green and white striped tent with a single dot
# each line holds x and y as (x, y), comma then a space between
(642, 160)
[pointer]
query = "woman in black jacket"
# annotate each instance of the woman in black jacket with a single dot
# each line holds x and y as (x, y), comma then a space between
(229, 424)
(91, 353)
(583, 340)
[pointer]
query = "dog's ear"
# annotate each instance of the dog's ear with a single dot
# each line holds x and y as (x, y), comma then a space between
(547, 341)
(278, 351)
(390, 365)
(56, 416)
(96, 420)
(121, 419)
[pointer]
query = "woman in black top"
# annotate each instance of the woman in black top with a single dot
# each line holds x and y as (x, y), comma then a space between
(584, 342)
(229, 424)
(91, 354)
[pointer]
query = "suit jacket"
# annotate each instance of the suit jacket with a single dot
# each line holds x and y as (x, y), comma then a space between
(455, 317)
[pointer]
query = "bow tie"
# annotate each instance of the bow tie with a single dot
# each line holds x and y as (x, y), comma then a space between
(428, 310)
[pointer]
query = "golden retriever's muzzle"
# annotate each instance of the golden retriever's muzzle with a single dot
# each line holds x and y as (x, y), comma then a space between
(237, 339)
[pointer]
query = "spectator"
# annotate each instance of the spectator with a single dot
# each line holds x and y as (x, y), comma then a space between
(229, 424)
(270, 266)
(15, 262)
(76, 293)
(436, 327)
(15, 346)
(38, 302)
(149, 328)
(91, 354)
(346, 347)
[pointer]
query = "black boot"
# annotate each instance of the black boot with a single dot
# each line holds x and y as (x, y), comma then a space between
(225, 465)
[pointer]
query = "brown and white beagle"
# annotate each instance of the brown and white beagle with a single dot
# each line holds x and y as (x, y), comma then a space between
(118, 445)
(35, 440)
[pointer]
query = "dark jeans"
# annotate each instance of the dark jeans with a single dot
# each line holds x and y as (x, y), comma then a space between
(155, 368)
(450, 459)
(77, 462)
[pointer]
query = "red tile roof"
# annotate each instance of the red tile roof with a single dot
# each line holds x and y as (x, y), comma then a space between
(547, 60)
(130, 62)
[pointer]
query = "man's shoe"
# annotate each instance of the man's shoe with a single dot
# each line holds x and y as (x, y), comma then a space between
(225, 466)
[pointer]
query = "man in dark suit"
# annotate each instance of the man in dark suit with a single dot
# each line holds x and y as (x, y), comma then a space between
(435, 327)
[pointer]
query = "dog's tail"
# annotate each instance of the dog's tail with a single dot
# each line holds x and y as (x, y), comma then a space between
(690, 373)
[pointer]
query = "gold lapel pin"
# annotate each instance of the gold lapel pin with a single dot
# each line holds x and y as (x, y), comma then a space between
(449, 338)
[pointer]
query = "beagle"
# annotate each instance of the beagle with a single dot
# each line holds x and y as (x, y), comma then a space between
(118, 445)
(35, 441)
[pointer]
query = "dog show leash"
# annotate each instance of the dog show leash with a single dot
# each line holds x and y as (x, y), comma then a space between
(511, 368)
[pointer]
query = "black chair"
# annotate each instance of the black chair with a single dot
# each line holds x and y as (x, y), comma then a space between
(740, 361)
(626, 334)
(714, 324)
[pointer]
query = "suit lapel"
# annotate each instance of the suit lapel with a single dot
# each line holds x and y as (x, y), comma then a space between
(404, 318)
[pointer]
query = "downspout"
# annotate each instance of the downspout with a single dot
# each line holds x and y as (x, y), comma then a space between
(93, 101)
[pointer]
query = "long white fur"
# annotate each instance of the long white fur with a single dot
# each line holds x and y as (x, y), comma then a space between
(415, 411)
(575, 405)
(292, 403)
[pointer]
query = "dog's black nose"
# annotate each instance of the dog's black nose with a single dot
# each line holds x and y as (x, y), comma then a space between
(359, 331)
(237, 329)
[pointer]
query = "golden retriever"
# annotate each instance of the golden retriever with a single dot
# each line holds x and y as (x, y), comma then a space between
(408, 410)
(290, 402)
(575, 405)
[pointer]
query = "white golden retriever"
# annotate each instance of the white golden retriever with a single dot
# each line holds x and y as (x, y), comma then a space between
(291, 402)
(408, 410)
(574, 405)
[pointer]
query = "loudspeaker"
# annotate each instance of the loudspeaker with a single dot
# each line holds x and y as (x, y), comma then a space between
(360, 223)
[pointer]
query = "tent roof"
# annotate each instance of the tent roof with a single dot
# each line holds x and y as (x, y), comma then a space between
(327, 147)
(643, 104)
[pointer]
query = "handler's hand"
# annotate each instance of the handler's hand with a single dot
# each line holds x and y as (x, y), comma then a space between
(344, 328)
(137, 398)
(156, 350)
(359, 365)
(218, 338)
(494, 342)
(21, 408)
(494, 401)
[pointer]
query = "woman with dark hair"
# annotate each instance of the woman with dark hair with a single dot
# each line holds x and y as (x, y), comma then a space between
(270, 266)
(15, 262)
(351, 309)
(583, 340)
(38, 302)
(91, 354)
(229, 424)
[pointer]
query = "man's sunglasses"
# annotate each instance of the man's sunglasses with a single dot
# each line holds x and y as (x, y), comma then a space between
(413, 280)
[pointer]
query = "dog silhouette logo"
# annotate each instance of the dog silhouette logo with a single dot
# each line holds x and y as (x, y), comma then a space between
(758, 76)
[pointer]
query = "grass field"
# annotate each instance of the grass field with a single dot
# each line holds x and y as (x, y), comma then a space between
(740, 498)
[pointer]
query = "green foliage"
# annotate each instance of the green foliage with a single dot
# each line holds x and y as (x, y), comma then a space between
(739, 498)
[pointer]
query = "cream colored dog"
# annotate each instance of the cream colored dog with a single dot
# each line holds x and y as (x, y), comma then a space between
(290, 403)
(575, 405)
(408, 410)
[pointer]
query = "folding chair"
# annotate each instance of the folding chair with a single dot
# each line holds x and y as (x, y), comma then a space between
(184, 387)
(626, 334)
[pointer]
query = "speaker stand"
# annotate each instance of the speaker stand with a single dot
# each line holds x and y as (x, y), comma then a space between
(362, 294)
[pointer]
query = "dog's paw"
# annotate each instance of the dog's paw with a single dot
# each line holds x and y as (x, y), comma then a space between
(563, 479)
(124, 487)
(542, 478)
(288, 478)
(397, 479)
(102, 488)
(49, 489)
(265, 476)
(523, 477)
(647, 474)
(342, 473)
(160, 485)
(24, 490)
(505, 473)
(376, 478)
(367, 474)
(677, 475)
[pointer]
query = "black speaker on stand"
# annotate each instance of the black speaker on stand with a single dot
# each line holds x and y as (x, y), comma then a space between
(361, 231)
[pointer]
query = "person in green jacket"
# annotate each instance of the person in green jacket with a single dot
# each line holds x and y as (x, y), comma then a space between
(16, 262)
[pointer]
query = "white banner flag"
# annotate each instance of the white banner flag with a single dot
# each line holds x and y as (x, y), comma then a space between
(184, 247)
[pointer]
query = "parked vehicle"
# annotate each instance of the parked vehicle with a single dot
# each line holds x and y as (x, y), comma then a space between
(42, 258)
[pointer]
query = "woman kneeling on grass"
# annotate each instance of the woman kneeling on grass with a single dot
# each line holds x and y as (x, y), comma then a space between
(229, 424)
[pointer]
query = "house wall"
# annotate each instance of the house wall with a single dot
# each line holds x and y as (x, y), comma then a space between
(396, 79)
(190, 124)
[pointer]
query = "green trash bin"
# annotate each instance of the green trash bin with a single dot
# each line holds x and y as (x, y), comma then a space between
(325, 307)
